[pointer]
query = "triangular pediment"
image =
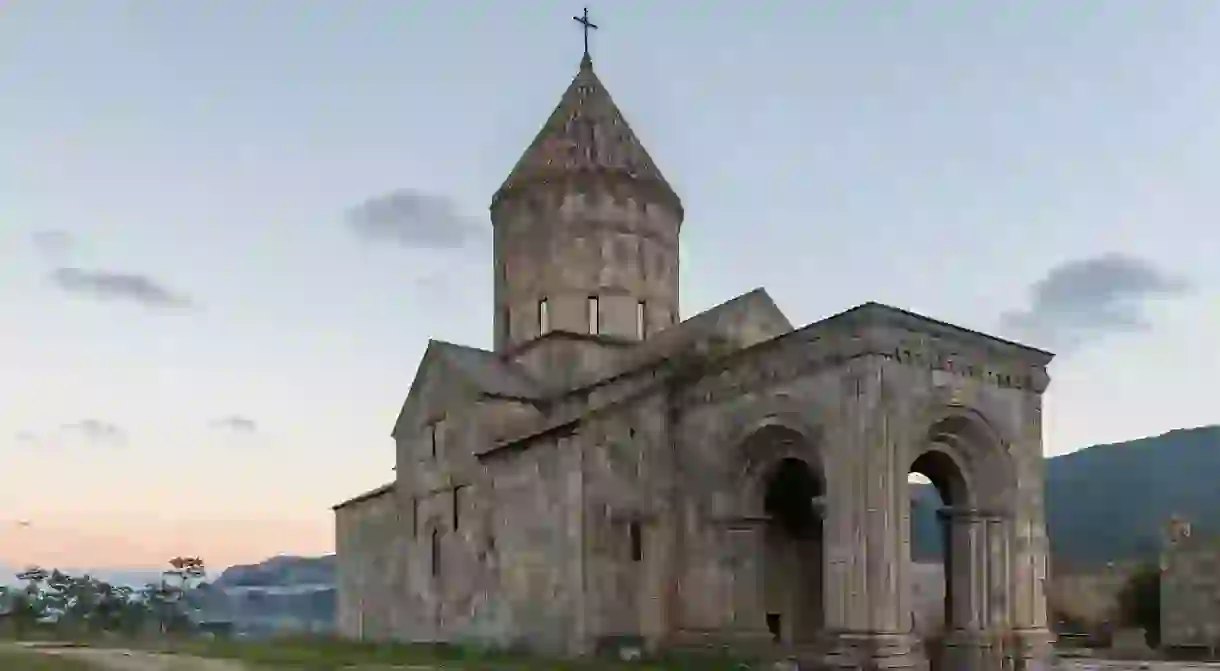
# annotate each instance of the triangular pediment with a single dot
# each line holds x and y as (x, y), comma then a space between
(446, 366)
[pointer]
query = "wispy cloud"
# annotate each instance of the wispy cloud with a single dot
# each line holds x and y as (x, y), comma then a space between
(110, 285)
(26, 438)
(234, 423)
(414, 219)
(98, 431)
(53, 242)
(1083, 300)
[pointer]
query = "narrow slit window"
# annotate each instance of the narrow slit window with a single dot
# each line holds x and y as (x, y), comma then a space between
(637, 542)
(544, 318)
(457, 507)
(414, 517)
(594, 316)
(641, 326)
(432, 438)
(436, 552)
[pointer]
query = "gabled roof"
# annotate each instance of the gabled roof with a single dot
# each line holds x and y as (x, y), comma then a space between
(366, 496)
(743, 321)
(489, 373)
(586, 134)
(484, 372)
(881, 314)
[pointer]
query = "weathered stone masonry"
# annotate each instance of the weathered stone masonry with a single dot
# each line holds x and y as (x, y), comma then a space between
(607, 475)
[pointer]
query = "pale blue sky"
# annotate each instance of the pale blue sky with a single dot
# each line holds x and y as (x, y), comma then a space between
(941, 156)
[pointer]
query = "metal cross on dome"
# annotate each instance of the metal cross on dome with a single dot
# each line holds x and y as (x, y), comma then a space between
(587, 25)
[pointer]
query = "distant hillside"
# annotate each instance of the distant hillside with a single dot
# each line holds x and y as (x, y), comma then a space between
(281, 571)
(278, 594)
(1110, 502)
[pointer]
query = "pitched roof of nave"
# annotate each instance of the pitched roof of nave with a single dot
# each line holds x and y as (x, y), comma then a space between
(586, 134)
(744, 321)
(490, 373)
(484, 371)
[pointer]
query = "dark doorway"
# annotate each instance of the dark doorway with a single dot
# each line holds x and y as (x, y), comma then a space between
(794, 550)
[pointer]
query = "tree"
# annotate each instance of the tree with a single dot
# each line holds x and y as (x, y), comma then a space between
(1139, 602)
(173, 599)
(26, 606)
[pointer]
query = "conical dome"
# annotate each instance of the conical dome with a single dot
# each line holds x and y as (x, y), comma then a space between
(586, 134)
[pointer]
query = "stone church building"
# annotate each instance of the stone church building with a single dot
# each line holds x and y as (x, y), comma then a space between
(612, 475)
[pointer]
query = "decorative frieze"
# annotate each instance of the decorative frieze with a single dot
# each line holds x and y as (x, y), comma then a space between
(829, 344)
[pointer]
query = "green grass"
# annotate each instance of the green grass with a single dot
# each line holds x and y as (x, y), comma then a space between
(323, 654)
(15, 659)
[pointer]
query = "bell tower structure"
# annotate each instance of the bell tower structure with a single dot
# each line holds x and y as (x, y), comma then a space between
(586, 235)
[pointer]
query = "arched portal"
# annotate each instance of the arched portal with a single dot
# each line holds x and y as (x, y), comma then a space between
(793, 552)
(941, 488)
(969, 469)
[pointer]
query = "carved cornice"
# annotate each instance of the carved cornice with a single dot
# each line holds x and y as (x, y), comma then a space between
(870, 330)
(615, 184)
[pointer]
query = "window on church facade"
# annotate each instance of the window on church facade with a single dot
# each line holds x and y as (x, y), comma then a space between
(594, 310)
(637, 541)
(436, 553)
(414, 517)
(434, 429)
(641, 325)
(544, 318)
(457, 507)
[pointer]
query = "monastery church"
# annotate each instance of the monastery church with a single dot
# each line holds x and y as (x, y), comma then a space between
(611, 476)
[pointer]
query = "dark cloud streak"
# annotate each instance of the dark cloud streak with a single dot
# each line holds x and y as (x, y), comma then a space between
(109, 285)
(98, 431)
(235, 423)
(1083, 300)
(413, 219)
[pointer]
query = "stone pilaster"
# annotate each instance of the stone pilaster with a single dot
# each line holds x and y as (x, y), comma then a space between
(749, 617)
(877, 631)
(970, 641)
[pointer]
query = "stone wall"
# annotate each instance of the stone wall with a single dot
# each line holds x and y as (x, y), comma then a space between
(533, 595)
(368, 544)
(1190, 592)
(1088, 596)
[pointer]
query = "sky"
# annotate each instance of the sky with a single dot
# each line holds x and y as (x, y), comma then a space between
(203, 345)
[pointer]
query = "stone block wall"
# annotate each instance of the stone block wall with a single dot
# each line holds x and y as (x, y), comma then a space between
(368, 571)
(1190, 593)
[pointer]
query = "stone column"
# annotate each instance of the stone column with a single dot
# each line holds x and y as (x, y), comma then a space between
(968, 575)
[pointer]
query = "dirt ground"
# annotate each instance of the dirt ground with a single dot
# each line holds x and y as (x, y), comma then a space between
(1100, 665)
(108, 659)
(131, 660)
(135, 660)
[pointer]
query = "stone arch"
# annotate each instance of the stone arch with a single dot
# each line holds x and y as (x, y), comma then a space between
(976, 448)
(759, 447)
(775, 459)
(967, 459)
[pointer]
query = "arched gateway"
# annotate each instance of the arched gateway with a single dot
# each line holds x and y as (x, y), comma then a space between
(611, 475)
